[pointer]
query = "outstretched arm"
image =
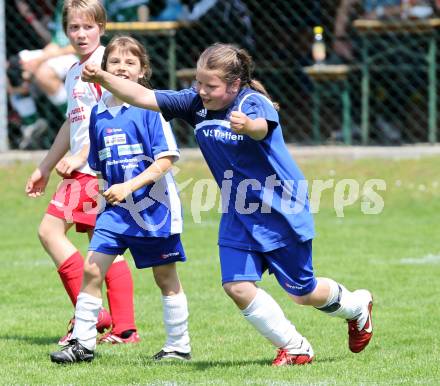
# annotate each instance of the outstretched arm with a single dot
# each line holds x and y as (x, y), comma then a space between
(124, 89)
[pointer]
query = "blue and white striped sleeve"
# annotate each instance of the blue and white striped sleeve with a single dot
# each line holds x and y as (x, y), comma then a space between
(162, 139)
(256, 105)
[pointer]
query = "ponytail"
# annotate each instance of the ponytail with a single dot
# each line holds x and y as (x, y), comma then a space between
(258, 86)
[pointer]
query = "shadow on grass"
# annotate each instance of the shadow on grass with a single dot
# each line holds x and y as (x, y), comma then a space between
(37, 340)
(204, 365)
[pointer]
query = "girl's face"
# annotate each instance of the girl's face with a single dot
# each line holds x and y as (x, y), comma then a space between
(83, 32)
(216, 94)
(124, 64)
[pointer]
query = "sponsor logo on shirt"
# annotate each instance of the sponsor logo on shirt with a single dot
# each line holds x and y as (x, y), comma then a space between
(78, 93)
(222, 134)
(202, 113)
(77, 114)
(110, 130)
(117, 139)
(104, 154)
(135, 148)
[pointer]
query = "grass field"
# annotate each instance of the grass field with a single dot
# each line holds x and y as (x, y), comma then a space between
(396, 254)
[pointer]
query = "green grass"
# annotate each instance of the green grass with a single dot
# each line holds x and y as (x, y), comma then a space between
(383, 252)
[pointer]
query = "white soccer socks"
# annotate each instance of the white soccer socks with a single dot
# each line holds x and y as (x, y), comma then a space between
(341, 302)
(175, 317)
(86, 317)
(269, 320)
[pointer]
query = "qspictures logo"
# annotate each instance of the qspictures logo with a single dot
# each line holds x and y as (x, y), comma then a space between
(245, 196)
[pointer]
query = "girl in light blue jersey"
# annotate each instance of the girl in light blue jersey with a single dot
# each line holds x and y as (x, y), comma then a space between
(266, 222)
(132, 150)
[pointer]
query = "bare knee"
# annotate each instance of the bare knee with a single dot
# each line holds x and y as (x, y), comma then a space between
(46, 233)
(240, 290)
(92, 274)
(233, 290)
(167, 279)
(301, 300)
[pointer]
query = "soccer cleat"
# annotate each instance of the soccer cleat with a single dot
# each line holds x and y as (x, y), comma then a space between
(171, 355)
(360, 329)
(109, 337)
(297, 356)
(104, 323)
(73, 352)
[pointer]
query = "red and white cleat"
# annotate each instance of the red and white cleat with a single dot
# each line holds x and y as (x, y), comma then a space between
(360, 329)
(111, 338)
(299, 356)
(64, 341)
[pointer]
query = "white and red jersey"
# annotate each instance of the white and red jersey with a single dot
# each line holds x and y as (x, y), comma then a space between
(81, 97)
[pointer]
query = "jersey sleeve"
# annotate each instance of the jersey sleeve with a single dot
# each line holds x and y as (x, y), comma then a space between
(93, 158)
(162, 139)
(259, 106)
(176, 104)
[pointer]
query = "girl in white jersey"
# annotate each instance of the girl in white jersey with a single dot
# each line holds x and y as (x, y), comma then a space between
(74, 201)
(237, 128)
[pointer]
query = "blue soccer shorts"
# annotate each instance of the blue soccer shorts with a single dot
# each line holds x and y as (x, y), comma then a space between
(146, 251)
(291, 265)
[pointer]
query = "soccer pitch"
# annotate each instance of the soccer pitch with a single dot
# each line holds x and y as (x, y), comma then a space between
(395, 253)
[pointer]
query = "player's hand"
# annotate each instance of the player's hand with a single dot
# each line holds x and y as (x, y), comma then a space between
(239, 122)
(117, 193)
(36, 184)
(91, 73)
(69, 164)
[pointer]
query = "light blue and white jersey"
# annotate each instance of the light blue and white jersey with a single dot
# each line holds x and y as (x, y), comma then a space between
(264, 193)
(124, 141)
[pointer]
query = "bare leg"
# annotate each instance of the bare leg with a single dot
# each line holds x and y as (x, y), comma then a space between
(52, 233)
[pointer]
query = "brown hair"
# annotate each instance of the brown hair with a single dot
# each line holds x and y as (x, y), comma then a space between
(234, 63)
(131, 45)
(92, 8)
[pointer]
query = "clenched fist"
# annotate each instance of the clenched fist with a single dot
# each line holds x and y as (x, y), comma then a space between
(91, 73)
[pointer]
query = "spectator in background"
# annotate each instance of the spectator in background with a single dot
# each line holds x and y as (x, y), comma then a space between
(216, 14)
(387, 128)
(143, 10)
(370, 9)
(46, 68)
(26, 28)
(125, 11)
(171, 10)
(374, 9)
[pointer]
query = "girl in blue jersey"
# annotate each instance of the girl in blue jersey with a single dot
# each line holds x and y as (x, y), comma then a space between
(266, 222)
(132, 150)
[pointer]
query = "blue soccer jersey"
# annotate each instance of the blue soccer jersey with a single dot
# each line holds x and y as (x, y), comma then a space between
(124, 141)
(264, 193)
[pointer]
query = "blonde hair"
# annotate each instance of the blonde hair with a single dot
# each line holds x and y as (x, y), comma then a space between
(233, 63)
(133, 46)
(92, 8)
